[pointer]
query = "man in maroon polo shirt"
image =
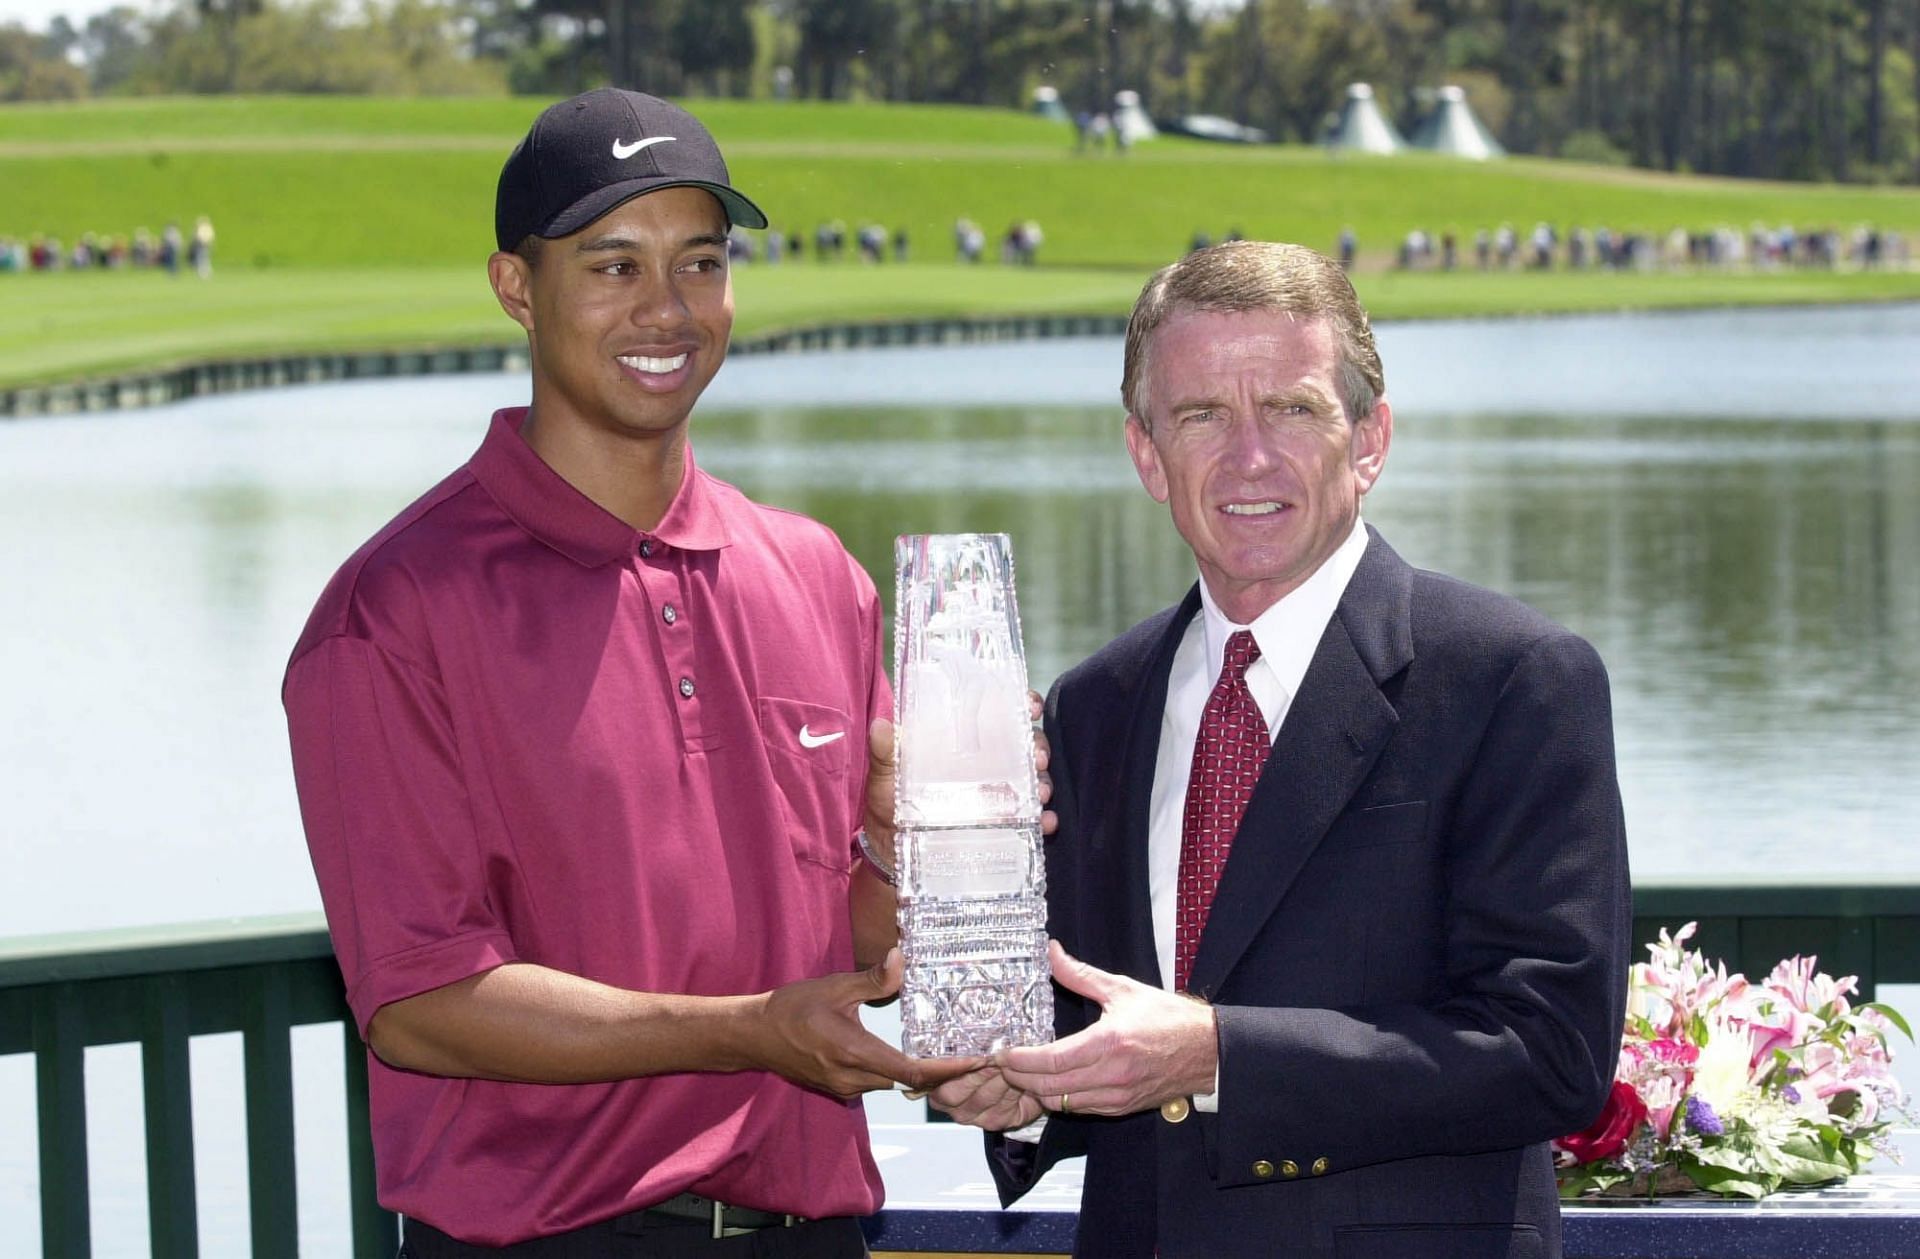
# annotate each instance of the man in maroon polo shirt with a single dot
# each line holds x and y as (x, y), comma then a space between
(581, 741)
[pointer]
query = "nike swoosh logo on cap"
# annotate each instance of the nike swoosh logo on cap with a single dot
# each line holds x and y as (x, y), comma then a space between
(808, 739)
(625, 151)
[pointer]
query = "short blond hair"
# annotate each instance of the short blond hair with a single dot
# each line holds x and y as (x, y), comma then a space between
(1253, 275)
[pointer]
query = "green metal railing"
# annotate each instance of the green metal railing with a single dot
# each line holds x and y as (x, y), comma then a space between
(260, 977)
(264, 976)
(1855, 927)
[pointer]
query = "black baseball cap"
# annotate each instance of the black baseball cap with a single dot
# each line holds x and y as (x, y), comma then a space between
(587, 155)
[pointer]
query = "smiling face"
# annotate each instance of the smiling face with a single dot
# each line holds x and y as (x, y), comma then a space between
(628, 318)
(1246, 440)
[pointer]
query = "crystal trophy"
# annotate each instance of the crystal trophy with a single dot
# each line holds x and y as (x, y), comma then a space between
(973, 912)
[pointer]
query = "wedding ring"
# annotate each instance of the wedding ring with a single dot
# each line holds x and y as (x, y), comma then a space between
(1066, 1103)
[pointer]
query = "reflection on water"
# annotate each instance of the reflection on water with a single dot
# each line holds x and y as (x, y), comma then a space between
(1753, 583)
(1755, 589)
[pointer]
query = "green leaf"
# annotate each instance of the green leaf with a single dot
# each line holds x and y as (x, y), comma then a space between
(1722, 1180)
(1728, 1157)
(1590, 1179)
(1810, 1157)
(1891, 1015)
(1775, 1073)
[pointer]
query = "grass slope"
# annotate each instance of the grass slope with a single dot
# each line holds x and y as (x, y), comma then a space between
(356, 181)
(358, 221)
(59, 327)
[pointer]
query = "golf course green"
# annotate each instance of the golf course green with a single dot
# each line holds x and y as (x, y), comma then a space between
(353, 222)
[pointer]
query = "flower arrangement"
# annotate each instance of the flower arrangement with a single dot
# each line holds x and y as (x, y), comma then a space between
(1738, 1088)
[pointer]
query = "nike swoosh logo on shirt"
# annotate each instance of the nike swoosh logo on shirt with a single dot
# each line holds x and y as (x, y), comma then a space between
(625, 151)
(808, 739)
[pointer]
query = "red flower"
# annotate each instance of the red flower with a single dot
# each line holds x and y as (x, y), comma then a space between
(1667, 1050)
(1609, 1134)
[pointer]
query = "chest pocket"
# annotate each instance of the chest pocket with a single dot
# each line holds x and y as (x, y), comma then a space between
(1384, 825)
(812, 749)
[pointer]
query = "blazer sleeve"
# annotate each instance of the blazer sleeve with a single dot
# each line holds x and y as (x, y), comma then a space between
(1520, 1045)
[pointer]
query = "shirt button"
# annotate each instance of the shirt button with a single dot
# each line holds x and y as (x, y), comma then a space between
(686, 688)
(646, 548)
(668, 615)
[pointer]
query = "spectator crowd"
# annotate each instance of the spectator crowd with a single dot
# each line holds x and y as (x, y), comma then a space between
(875, 243)
(1546, 248)
(171, 251)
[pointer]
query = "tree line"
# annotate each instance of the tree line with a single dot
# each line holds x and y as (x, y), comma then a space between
(1793, 89)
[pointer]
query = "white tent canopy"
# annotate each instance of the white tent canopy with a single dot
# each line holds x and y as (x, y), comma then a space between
(1453, 129)
(1362, 127)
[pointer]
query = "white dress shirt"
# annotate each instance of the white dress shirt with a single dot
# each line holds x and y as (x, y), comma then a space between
(1288, 633)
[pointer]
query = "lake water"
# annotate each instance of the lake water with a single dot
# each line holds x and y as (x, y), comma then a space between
(1727, 505)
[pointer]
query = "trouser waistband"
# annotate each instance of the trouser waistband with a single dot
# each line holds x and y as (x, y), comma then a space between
(723, 1219)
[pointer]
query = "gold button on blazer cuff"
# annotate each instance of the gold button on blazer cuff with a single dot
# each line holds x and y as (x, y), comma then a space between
(1319, 1167)
(1262, 1169)
(1175, 1109)
(1289, 1168)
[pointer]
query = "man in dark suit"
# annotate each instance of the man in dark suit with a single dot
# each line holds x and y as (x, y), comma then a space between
(1341, 873)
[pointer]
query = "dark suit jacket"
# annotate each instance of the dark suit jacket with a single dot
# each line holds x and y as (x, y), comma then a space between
(1418, 950)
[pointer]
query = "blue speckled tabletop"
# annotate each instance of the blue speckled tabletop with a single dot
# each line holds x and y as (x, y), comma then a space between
(939, 1197)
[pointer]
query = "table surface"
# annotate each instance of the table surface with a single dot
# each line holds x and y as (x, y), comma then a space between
(940, 1197)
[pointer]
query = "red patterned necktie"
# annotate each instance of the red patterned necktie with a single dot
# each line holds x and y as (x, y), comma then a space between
(1227, 759)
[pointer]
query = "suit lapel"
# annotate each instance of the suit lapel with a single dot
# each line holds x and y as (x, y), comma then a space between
(1333, 733)
(1137, 769)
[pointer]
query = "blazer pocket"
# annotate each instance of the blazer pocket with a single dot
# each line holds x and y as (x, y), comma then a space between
(810, 750)
(1440, 1241)
(1403, 823)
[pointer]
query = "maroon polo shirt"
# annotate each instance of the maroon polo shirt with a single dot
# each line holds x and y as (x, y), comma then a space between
(524, 731)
